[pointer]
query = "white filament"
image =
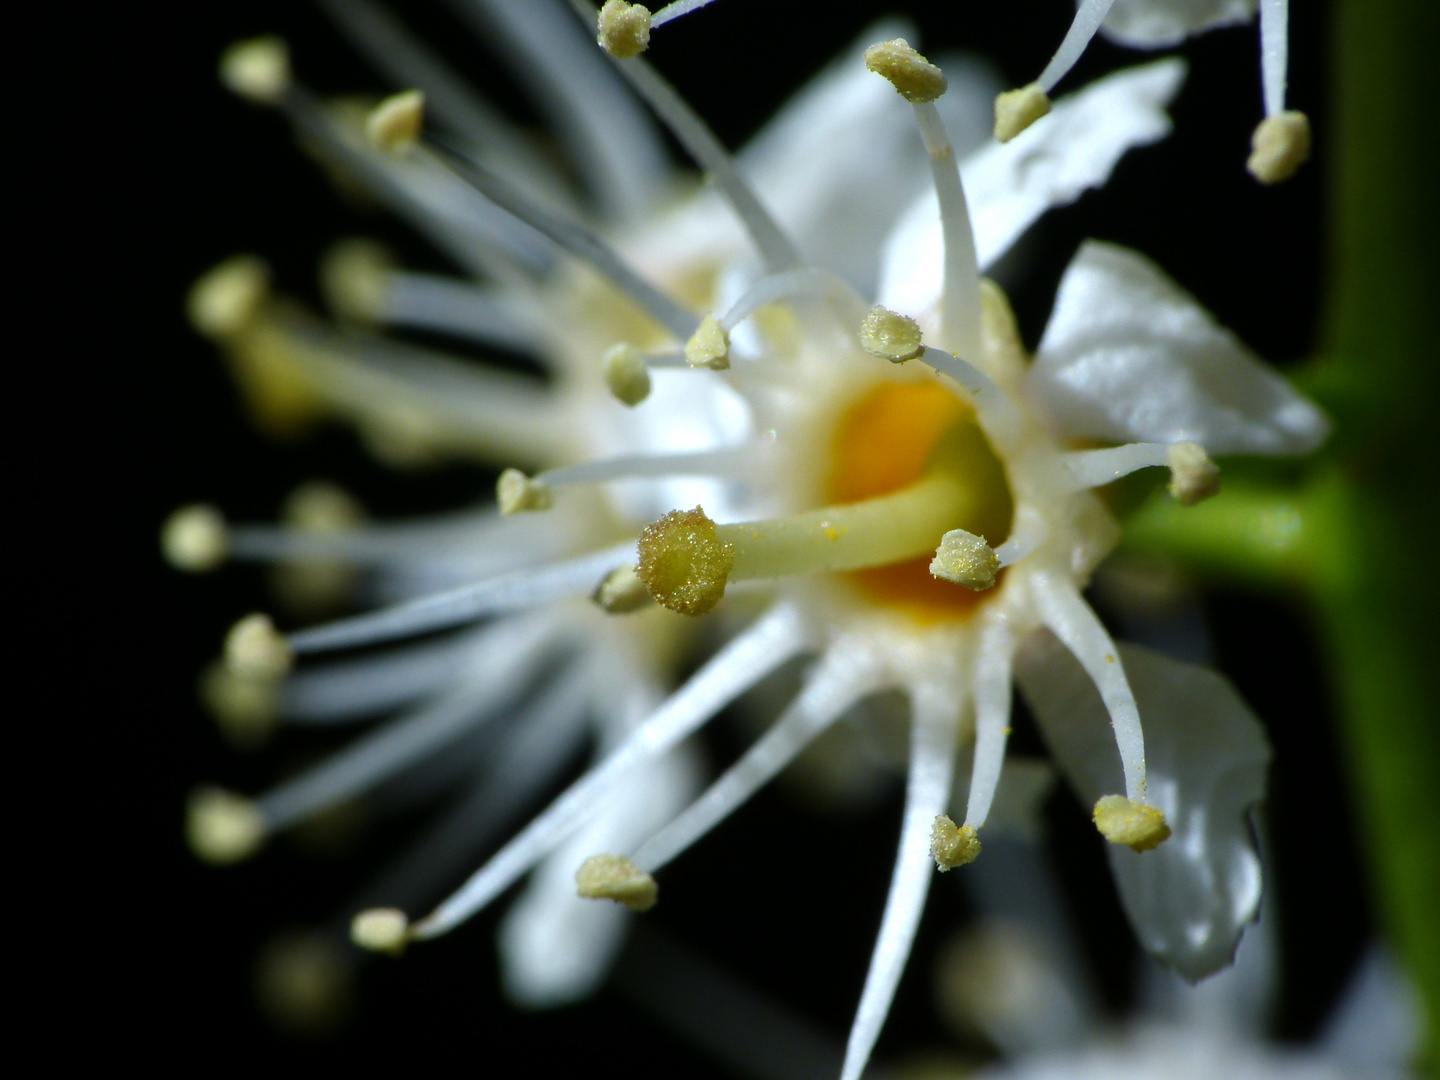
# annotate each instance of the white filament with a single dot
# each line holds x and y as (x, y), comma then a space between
(1027, 533)
(581, 243)
(493, 679)
(747, 659)
(506, 592)
(934, 733)
(991, 694)
(1070, 619)
(776, 249)
(444, 304)
(840, 681)
(998, 417)
(733, 462)
(675, 10)
(960, 285)
(790, 284)
(1095, 468)
(1274, 52)
(1087, 21)
(615, 144)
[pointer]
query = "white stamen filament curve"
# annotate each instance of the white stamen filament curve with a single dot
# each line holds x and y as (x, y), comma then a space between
(960, 285)
(1087, 21)
(1095, 468)
(1274, 52)
(991, 692)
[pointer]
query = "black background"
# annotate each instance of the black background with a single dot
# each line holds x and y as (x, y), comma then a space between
(196, 175)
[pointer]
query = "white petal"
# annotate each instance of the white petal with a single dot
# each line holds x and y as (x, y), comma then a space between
(1153, 24)
(556, 947)
(1010, 185)
(1191, 897)
(1129, 356)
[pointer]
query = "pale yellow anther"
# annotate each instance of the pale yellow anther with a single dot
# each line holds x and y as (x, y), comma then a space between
(890, 335)
(257, 70)
(353, 278)
(382, 930)
(225, 299)
(245, 708)
(683, 562)
(614, 877)
(195, 539)
(1280, 145)
(626, 373)
(394, 125)
(622, 592)
(1016, 110)
(709, 346)
(255, 649)
(1137, 825)
(1193, 476)
(953, 845)
(321, 508)
(623, 29)
(965, 559)
(222, 827)
(517, 493)
(917, 80)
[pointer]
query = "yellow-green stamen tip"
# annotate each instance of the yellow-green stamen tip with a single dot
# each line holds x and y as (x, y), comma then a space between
(1193, 476)
(614, 877)
(965, 559)
(626, 373)
(709, 346)
(953, 845)
(1016, 110)
(1280, 145)
(890, 335)
(917, 80)
(517, 493)
(623, 29)
(382, 930)
(622, 591)
(394, 125)
(683, 561)
(1124, 821)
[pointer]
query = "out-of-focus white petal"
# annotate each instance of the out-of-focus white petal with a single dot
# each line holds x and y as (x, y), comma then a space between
(1154, 24)
(1190, 898)
(1129, 356)
(1009, 185)
(556, 947)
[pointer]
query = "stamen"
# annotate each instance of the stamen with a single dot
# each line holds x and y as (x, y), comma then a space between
(991, 680)
(727, 462)
(1274, 52)
(1027, 533)
(776, 249)
(709, 346)
(996, 413)
(891, 336)
(952, 845)
(1088, 17)
(257, 70)
(747, 659)
(1193, 476)
(1016, 110)
(576, 240)
(195, 539)
(1280, 145)
(790, 285)
(675, 10)
(505, 592)
(622, 591)
(965, 559)
(842, 677)
(382, 930)
(394, 125)
(255, 649)
(225, 300)
(626, 373)
(354, 276)
(1137, 825)
(624, 29)
(1072, 621)
(516, 493)
(491, 316)
(920, 83)
(614, 877)
(244, 708)
(934, 733)
(222, 827)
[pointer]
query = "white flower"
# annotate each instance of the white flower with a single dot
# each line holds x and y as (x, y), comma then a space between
(1281, 142)
(834, 473)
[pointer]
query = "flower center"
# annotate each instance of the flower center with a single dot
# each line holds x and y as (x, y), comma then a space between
(884, 443)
